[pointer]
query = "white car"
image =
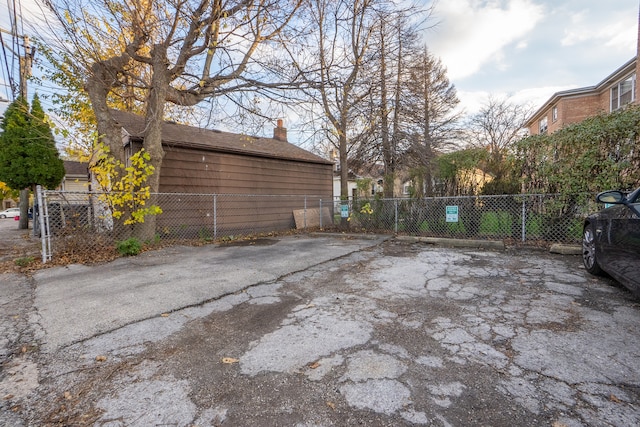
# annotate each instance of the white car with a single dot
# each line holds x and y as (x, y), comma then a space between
(10, 213)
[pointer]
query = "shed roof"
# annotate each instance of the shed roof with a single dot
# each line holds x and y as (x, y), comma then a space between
(72, 167)
(177, 135)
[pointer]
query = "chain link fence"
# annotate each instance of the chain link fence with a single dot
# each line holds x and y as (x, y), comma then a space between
(536, 219)
(79, 223)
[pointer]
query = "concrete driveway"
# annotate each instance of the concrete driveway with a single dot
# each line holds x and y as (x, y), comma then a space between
(324, 331)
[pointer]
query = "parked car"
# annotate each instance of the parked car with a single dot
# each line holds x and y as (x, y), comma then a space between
(10, 213)
(611, 239)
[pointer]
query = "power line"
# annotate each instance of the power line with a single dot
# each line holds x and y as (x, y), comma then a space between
(9, 77)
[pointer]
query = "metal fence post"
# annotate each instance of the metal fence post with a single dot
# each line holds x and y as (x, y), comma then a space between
(305, 212)
(395, 203)
(320, 214)
(43, 234)
(215, 217)
(524, 219)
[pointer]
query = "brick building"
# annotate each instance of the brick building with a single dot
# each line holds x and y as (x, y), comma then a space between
(572, 106)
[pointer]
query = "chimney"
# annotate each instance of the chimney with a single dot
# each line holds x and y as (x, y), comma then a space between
(280, 133)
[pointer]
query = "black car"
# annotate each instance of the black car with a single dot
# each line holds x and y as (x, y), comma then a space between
(611, 239)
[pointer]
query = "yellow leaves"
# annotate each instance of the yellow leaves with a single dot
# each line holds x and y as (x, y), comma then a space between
(124, 185)
(68, 17)
(229, 360)
(366, 209)
(101, 358)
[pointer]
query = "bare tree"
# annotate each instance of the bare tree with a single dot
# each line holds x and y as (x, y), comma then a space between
(498, 125)
(172, 52)
(430, 111)
(396, 40)
(334, 55)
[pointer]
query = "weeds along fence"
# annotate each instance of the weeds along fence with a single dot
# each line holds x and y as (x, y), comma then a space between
(80, 223)
(75, 223)
(536, 219)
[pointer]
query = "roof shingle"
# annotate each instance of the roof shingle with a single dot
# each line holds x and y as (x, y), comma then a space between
(177, 135)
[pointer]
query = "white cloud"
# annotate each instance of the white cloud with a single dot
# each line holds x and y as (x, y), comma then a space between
(477, 32)
(618, 31)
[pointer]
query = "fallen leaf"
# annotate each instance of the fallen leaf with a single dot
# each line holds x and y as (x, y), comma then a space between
(331, 405)
(165, 315)
(67, 395)
(101, 358)
(24, 349)
(8, 396)
(314, 365)
(229, 360)
(558, 424)
(613, 398)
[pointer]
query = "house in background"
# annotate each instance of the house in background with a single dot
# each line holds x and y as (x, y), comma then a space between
(76, 176)
(352, 184)
(368, 182)
(233, 167)
(76, 179)
(7, 202)
(572, 106)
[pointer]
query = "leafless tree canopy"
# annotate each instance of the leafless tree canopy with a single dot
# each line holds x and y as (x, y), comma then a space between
(179, 52)
(498, 125)
(358, 68)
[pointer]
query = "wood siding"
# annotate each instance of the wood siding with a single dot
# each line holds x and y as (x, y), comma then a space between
(252, 194)
(206, 172)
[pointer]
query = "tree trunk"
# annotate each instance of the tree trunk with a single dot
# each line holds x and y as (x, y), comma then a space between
(23, 224)
(153, 135)
(387, 153)
(344, 180)
(98, 85)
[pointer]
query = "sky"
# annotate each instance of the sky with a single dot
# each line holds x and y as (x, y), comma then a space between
(523, 49)
(530, 49)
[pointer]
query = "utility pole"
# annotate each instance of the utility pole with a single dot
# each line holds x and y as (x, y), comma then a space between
(25, 72)
(26, 62)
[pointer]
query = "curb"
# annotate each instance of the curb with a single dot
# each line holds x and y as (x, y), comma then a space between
(566, 249)
(452, 243)
(361, 236)
(456, 243)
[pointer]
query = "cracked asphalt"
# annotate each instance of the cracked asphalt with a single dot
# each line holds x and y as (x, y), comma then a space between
(364, 332)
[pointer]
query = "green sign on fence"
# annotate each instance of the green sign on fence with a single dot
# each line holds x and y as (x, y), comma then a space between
(452, 213)
(344, 211)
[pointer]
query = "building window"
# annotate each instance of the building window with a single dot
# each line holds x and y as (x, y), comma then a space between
(554, 113)
(542, 126)
(623, 93)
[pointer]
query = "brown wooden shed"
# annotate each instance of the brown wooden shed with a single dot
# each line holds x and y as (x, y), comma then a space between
(257, 182)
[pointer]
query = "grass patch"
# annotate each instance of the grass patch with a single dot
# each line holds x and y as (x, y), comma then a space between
(129, 247)
(24, 261)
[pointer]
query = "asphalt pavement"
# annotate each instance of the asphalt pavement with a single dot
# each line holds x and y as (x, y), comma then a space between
(77, 302)
(321, 331)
